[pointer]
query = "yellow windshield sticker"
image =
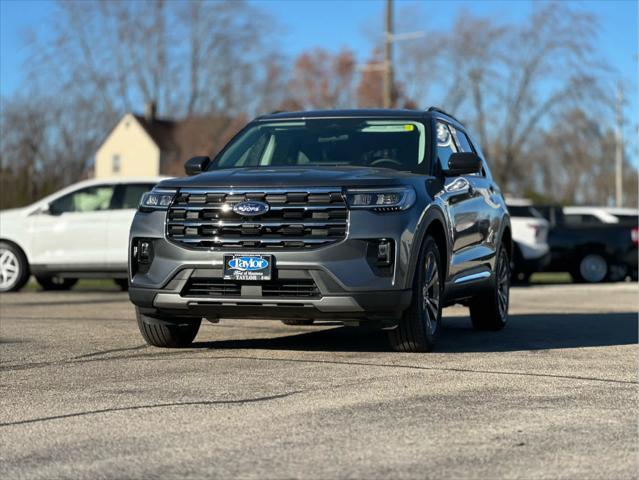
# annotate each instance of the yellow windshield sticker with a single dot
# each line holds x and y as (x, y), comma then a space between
(409, 127)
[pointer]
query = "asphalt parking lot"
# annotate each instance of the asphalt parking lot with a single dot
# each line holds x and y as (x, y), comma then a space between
(552, 396)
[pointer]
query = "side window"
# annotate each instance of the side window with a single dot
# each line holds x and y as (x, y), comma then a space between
(133, 193)
(445, 144)
(462, 140)
(464, 144)
(90, 199)
(581, 219)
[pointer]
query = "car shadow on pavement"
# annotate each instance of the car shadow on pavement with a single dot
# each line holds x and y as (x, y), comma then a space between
(523, 332)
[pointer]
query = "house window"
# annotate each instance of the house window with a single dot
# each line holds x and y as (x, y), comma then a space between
(115, 164)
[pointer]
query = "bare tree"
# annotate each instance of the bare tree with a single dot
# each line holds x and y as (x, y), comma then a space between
(370, 85)
(40, 150)
(323, 80)
(102, 59)
(508, 80)
(549, 65)
(190, 57)
(574, 162)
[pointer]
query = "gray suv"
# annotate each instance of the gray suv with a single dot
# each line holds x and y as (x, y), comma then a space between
(369, 217)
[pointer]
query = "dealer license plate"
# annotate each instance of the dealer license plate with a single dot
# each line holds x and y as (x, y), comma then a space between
(247, 267)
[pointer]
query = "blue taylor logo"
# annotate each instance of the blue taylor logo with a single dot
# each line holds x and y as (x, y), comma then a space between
(248, 264)
(251, 208)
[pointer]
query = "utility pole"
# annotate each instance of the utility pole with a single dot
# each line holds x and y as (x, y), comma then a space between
(619, 147)
(388, 57)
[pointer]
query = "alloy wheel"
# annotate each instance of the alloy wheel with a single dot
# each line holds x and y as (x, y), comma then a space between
(503, 285)
(430, 294)
(9, 269)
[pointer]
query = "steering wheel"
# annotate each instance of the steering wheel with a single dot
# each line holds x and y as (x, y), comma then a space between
(380, 161)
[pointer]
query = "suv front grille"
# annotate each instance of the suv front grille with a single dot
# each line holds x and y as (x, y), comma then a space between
(296, 219)
(212, 287)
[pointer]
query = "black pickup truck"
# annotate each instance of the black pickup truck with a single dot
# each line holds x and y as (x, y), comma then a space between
(591, 251)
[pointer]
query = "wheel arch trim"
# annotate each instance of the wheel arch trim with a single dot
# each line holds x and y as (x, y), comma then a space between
(19, 247)
(432, 215)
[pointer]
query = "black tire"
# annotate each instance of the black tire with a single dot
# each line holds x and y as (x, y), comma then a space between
(592, 268)
(490, 310)
(14, 268)
(53, 283)
(297, 322)
(123, 283)
(420, 324)
(164, 333)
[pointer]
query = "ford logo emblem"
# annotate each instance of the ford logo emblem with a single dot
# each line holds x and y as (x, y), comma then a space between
(251, 208)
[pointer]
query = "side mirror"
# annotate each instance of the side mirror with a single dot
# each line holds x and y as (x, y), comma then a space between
(51, 209)
(196, 165)
(463, 163)
(46, 209)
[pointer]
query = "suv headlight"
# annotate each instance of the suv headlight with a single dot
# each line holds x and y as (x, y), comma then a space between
(381, 199)
(157, 199)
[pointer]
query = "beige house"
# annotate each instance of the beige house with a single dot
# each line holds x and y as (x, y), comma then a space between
(144, 145)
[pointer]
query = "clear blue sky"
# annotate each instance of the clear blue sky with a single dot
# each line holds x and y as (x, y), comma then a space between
(332, 24)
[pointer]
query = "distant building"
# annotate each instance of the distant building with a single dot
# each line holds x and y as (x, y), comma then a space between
(144, 145)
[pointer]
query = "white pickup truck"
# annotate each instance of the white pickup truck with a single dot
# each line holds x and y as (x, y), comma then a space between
(78, 232)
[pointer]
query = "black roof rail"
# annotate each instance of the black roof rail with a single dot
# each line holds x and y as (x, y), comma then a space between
(443, 112)
(277, 111)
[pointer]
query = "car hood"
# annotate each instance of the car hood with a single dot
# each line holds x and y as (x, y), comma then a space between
(13, 213)
(291, 177)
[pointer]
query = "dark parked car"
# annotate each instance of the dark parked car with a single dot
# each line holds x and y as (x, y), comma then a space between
(372, 217)
(590, 250)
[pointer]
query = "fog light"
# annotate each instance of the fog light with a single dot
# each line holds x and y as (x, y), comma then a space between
(144, 252)
(384, 253)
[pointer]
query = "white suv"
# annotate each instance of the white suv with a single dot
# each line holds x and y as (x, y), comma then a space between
(530, 239)
(80, 231)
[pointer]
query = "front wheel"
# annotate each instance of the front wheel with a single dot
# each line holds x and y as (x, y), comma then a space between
(419, 326)
(490, 311)
(14, 268)
(55, 283)
(123, 283)
(167, 333)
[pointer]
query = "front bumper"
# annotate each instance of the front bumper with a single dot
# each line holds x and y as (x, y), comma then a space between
(368, 306)
(350, 284)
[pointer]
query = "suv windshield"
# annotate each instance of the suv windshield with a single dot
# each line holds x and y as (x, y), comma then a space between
(397, 144)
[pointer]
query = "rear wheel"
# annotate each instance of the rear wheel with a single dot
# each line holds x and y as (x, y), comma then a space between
(14, 268)
(419, 326)
(55, 283)
(490, 311)
(592, 268)
(167, 333)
